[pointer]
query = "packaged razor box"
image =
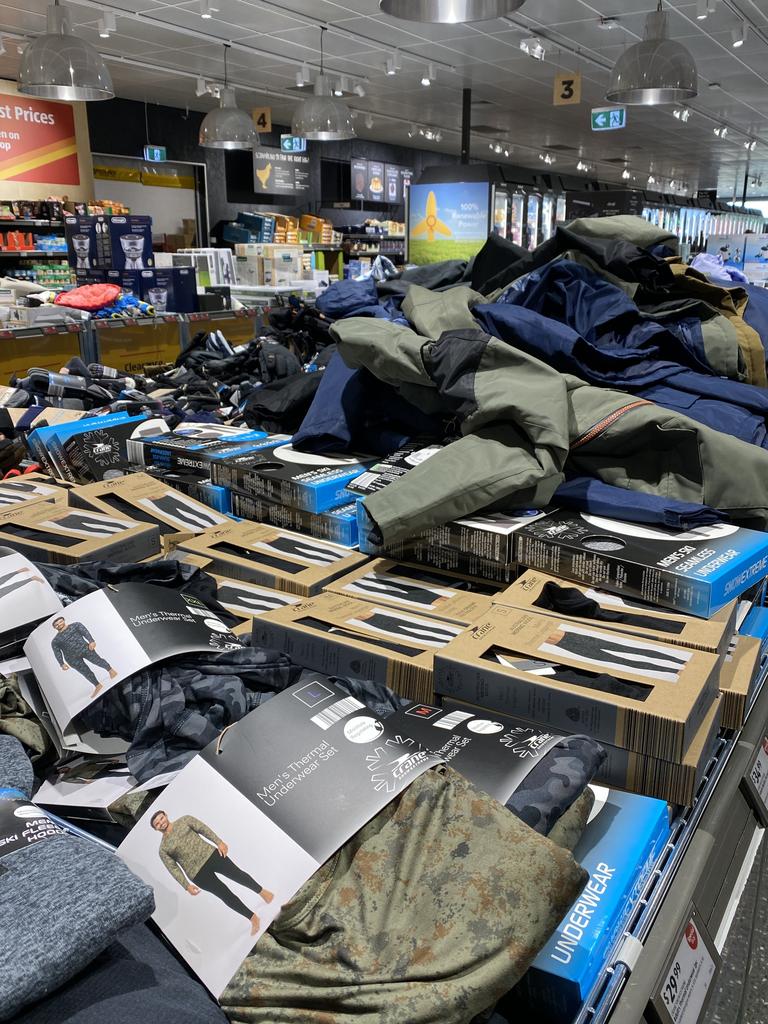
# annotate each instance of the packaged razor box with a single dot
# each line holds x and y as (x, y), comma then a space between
(677, 782)
(48, 532)
(537, 592)
(565, 970)
(313, 483)
(138, 496)
(460, 599)
(337, 524)
(694, 571)
(193, 450)
(256, 553)
(343, 636)
(634, 693)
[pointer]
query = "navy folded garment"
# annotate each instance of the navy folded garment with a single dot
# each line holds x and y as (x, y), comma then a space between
(584, 494)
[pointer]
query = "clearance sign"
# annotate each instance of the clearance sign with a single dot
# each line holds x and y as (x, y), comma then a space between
(37, 141)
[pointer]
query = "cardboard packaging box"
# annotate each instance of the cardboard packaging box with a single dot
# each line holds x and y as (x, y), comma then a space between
(566, 968)
(338, 525)
(343, 636)
(146, 500)
(290, 562)
(217, 498)
(29, 490)
(439, 556)
(536, 592)
(739, 676)
(249, 601)
(694, 571)
(570, 676)
(193, 453)
(53, 532)
(460, 599)
(677, 782)
(313, 483)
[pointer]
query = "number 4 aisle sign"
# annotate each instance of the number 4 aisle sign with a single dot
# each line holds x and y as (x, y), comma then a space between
(608, 119)
(686, 983)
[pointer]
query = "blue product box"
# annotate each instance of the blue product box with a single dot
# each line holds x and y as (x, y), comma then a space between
(300, 480)
(128, 280)
(192, 450)
(170, 289)
(238, 234)
(215, 497)
(731, 249)
(89, 245)
(131, 242)
(49, 439)
(694, 571)
(619, 849)
(337, 524)
(756, 625)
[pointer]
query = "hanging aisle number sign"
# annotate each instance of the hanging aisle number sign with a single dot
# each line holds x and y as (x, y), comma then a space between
(686, 983)
(262, 118)
(567, 88)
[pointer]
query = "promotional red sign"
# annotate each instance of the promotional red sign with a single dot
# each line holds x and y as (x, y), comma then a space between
(37, 141)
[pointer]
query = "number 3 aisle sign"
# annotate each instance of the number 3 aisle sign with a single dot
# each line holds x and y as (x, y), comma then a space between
(567, 88)
(687, 981)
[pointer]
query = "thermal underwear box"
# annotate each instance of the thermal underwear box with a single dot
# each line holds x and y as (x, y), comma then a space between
(577, 677)
(693, 571)
(739, 675)
(250, 601)
(46, 443)
(29, 490)
(93, 451)
(536, 592)
(139, 497)
(290, 562)
(454, 598)
(193, 453)
(565, 970)
(677, 782)
(437, 556)
(338, 525)
(343, 636)
(314, 483)
(56, 533)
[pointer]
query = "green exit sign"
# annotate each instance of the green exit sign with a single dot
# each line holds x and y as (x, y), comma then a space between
(155, 154)
(608, 119)
(293, 144)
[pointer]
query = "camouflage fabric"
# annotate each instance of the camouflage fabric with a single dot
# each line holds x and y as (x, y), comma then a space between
(18, 719)
(427, 916)
(569, 829)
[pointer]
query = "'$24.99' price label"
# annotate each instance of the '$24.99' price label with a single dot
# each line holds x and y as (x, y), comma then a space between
(684, 989)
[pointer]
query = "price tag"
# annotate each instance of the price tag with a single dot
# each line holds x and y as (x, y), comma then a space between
(686, 983)
(755, 782)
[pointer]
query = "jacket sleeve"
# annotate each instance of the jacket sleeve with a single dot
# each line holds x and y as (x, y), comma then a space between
(57, 651)
(203, 830)
(174, 869)
(85, 633)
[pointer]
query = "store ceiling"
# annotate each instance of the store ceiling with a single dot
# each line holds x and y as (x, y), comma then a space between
(160, 47)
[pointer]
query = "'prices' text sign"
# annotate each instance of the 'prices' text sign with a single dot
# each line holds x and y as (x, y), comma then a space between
(37, 141)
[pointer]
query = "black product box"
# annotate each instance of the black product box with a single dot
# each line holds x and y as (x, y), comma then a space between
(93, 454)
(393, 466)
(192, 453)
(89, 244)
(128, 280)
(90, 277)
(131, 241)
(694, 571)
(337, 524)
(440, 556)
(170, 289)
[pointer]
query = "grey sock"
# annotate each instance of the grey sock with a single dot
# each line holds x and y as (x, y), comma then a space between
(62, 901)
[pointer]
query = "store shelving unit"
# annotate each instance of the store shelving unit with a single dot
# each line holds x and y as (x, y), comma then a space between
(366, 243)
(48, 347)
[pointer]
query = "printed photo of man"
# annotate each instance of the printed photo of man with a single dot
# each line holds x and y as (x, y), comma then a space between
(73, 646)
(196, 858)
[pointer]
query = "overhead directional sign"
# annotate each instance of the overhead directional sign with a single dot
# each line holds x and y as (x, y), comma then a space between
(293, 144)
(567, 88)
(607, 119)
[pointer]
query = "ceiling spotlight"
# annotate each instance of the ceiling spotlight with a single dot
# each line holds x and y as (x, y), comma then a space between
(429, 74)
(704, 8)
(506, 152)
(107, 25)
(673, 185)
(337, 90)
(60, 65)
(739, 35)
(721, 132)
(422, 132)
(608, 24)
(682, 113)
(303, 76)
(581, 166)
(20, 48)
(300, 83)
(655, 70)
(546, 158)
(359, 89)
(412, 130)
(534, 47)
(389, 67)
(626, 174)
(205, 9)
(750, 145)
(201, 87)
(651, 180)
(369, 121)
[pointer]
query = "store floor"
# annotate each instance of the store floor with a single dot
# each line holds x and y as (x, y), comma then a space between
(741, 996)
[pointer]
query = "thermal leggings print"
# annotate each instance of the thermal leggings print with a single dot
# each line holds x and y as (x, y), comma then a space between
(304, 550)
(612, 653)
(192, 517)
(88, 526)
(422, 631)
(255, 603)
(16, 584)
(207, 878)
(397, 589)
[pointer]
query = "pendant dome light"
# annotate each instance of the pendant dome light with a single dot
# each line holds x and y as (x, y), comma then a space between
(656, 70)
(61, 66)
(228, 127)
(449, 12)
(323, 117)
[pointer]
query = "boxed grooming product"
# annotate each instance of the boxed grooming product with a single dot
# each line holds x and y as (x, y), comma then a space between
(256, 553)
(451, 597)
(192, 451)
(337, 524)
(537, 592)
(313, 483)
(343, 636)
(565, 970)
(48, 532)
(694, 571)
(638, 694)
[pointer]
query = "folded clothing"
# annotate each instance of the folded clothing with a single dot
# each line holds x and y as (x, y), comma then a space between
(62, 901)
(137, 978)
(430, 913)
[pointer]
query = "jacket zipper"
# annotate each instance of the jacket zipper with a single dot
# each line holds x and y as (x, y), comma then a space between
(598, 428)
